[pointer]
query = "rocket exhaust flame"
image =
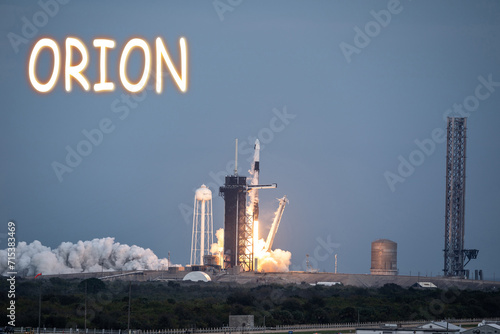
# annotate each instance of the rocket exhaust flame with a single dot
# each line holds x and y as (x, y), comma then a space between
(255, 235)
(271, 261)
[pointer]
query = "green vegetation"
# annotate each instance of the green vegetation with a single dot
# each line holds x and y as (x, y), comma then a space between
(159, 305)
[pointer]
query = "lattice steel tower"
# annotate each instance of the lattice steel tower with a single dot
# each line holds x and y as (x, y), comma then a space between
(454, 253)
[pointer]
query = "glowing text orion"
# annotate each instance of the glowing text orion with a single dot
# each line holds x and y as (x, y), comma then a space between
(75, 72)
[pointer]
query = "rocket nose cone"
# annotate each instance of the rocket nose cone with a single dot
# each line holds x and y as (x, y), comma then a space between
(257, 144)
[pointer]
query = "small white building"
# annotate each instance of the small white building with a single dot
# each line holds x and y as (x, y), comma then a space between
(442, 325)
(404, 330)
(241, 321)
(326, 283)
(424, 285)
(484, 329)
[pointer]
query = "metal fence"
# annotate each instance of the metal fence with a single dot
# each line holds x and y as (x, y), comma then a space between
(228, 330)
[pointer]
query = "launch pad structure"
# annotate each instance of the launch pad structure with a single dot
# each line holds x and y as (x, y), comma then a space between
(238, 230)
(239, 248)
(456, 256)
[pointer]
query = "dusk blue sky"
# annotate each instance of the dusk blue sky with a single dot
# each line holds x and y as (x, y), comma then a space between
(350, 119)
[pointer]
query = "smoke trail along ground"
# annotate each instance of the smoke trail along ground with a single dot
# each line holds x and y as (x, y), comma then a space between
(85, 256)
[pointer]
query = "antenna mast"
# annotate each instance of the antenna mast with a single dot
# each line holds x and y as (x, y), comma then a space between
(236, 159)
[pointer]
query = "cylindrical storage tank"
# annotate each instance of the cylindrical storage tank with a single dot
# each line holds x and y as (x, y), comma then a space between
(203, 193)
(384, 257)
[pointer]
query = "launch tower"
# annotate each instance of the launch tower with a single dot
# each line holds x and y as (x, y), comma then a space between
(238, 230)
(455, 256)
(238, 223)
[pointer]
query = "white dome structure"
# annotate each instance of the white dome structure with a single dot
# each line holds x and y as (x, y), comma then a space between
(197, 276)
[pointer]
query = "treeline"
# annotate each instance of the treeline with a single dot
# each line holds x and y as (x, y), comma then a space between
(161, 305)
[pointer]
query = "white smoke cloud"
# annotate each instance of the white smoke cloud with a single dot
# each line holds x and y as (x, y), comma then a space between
(276, 260)
(218, 247)
(84, 256)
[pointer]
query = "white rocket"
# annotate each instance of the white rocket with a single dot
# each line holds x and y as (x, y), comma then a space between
(255, 179)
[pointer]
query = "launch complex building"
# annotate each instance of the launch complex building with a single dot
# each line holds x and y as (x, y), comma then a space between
(240, 219)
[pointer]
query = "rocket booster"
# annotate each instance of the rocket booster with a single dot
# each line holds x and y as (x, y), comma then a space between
(255, 178)
(256, 158)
